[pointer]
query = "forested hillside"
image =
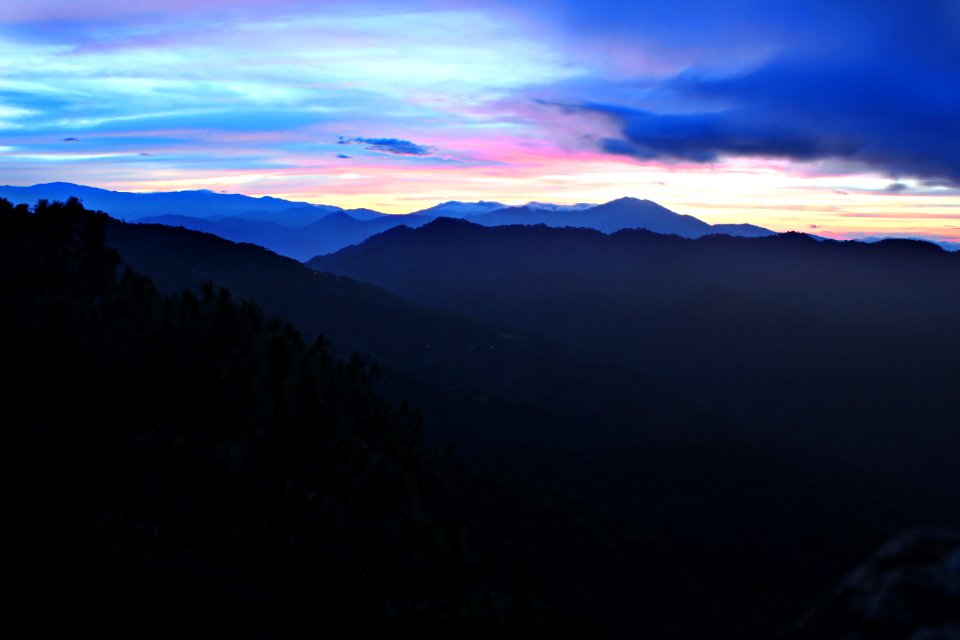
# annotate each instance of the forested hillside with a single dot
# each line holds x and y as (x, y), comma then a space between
(185, 462)
(205, 466)
(841, 352)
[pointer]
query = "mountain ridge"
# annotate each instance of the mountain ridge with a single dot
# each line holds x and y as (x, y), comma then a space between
(235, 217)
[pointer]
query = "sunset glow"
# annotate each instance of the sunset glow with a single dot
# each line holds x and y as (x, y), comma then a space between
(397, 106)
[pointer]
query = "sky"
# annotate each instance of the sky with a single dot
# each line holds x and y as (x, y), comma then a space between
(841, 118)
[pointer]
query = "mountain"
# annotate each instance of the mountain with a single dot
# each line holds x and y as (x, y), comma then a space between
(598, 431)
(625, 213)
(715, 381)
(195, 463)
(339, 230)
(457, 209)
(783, 334)
(365, 214)
(679, 438)
(312, 230)
(239, 229)
(436, 346)
(236, 228)
(741, 230)
(949, 246)
(133, 206)
(329, 233)
(292, 217)
(549, 206)
(822, 361)
(632, 213)
(518, 215)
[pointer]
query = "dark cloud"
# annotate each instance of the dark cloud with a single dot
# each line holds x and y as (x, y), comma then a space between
(703, 137)
(393, 146)
(71, 139)
(343, 156)
(884, 96)
(896, 187)
(902, 121)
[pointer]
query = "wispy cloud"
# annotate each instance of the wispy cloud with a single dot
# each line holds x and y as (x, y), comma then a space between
(732, 110)
(393, 146)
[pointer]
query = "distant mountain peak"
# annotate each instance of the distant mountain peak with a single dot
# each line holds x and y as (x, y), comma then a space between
(60, 184)
(549, 206)
(460, 209)
(446, 221)
(456, 202)
(235, 215)
(631, 200)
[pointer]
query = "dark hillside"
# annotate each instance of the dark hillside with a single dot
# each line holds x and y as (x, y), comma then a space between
(661, 460)
(184, 462)
(847, 350)
(713, 524)
(826, 375)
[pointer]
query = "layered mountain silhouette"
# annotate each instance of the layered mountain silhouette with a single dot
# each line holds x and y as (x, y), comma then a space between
(198, 464)
(457, 209)
(302, 230)
(625, 213)
(782, 330)
(134, 206)
(650, 372)
(666, 436)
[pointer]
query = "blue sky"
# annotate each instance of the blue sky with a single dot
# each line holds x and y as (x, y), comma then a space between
(837, 116)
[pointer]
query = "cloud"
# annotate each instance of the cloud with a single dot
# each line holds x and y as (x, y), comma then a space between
(393, 146)
(704, 137)
(899, 215)
(873, 85)
(896, 187)
(893, 116)
(71, 139)
(343, 156)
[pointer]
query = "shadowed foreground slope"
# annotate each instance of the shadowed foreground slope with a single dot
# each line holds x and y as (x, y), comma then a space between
(710, 529)
(845, 354)
(182, 462)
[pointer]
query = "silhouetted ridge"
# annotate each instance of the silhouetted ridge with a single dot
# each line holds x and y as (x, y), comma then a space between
(299, 229)
(784, 333)
(908, 246)
(444, 222)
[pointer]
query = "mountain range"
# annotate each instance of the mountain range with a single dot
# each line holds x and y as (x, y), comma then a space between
(744, 408)
(785, 334)
(302, 230)
(664, 436)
